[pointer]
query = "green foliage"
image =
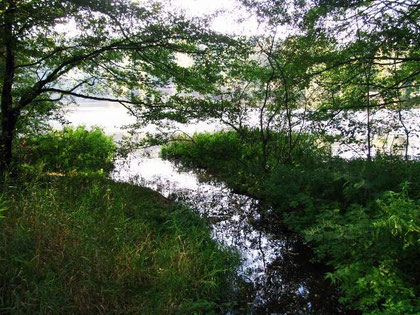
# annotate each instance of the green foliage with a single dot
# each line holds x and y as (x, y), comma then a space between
(374, 252)
(345, 61)
(85, 244)
(206, 150)
(219, 150)
(370, 236)
(111, 54)
(69, 150)
(401, 217)
(313, 188)
(366, 181)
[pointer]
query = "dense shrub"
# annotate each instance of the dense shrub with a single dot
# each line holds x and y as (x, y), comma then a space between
(205, 149)
(369, 180)
(68, 150)
(374, 252)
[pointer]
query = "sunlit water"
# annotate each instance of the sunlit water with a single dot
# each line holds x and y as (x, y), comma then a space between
(275, 268)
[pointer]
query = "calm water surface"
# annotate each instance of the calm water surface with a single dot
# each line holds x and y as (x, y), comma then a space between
(112, 117)
(276, 268)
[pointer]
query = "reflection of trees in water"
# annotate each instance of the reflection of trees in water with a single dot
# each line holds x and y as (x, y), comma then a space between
(280, 276)
(293, 285)
(276, 271)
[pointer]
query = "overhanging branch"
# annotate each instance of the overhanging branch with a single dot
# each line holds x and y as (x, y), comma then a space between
(100, 98)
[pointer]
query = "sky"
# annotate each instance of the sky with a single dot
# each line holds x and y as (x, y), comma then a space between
(227, 22)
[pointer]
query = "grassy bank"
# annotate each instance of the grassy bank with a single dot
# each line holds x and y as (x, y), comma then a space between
(76, 242)
(362, 218)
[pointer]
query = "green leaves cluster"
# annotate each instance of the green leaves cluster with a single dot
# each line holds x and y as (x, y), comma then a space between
(373, 250)
(69, 150)
(346, 62)
(56, 52)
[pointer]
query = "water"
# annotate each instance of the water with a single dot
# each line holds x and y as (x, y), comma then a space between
(114, 120)
(276, 269)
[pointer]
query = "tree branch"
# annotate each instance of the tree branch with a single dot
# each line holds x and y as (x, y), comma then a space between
(98, 98)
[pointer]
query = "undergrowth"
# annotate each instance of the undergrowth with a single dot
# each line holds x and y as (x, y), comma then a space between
(87, 244)
(68, 150)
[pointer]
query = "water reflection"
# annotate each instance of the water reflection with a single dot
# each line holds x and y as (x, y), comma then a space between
(276, 269)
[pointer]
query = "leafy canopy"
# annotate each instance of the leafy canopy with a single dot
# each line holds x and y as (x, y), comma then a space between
(120, 51)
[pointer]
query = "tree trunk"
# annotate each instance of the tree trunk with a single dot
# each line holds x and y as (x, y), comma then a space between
(9, 114)
(406, 131)
(369, 131)
(6, 140)
(369, 127)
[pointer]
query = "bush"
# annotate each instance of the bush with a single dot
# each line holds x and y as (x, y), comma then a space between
(374, 252)
(69, 150)
(205, 149)
(369, 180)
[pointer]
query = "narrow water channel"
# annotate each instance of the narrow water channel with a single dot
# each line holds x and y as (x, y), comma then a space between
(277, 273)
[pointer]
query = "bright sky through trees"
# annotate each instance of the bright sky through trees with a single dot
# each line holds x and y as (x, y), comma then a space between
(232, 18)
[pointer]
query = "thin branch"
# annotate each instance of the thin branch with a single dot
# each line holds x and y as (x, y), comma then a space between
(97, 98)
(39, 61)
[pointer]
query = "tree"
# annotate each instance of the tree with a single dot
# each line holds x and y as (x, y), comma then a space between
(264, 96)
(380, 36)
(373, 57)
(120, 51)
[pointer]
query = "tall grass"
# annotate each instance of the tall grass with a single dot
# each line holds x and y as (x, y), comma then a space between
(85, 244)
(73, 241)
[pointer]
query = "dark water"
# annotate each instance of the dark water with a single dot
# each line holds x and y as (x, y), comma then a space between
(277, 274)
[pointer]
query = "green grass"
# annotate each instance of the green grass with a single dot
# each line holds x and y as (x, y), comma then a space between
(85, 244)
